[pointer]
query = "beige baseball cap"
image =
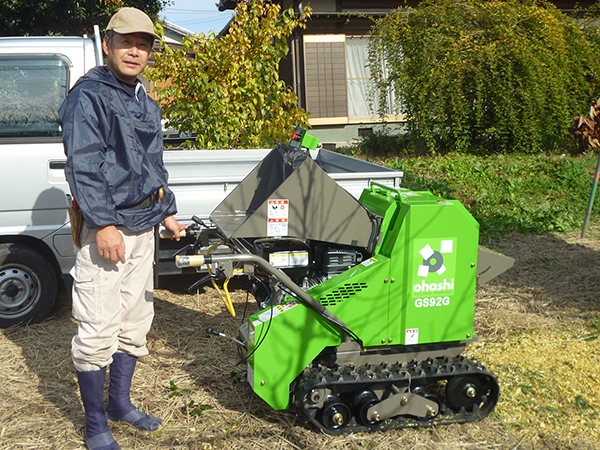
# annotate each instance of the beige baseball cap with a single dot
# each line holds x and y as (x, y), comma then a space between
(131, 20)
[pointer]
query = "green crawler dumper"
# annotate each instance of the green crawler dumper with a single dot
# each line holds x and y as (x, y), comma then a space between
(365, 305)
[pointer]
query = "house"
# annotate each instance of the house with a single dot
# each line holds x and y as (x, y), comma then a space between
(326, 66)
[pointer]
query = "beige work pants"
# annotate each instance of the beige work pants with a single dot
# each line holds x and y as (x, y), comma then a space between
(112, 302)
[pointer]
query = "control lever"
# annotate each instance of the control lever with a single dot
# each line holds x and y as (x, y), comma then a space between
(166, 234)
(192, 230)
(199, 221)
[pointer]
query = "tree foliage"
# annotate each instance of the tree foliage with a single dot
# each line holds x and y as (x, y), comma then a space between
(227, 89)
(65, 17)
(485, 75)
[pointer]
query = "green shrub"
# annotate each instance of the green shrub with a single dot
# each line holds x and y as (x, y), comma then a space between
(485, 76)
(227, 89)
(525, 193)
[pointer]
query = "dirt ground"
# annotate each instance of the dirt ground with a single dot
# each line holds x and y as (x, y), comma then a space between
(538, 326)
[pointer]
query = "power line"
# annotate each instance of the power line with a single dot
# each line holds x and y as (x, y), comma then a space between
(192, 18)
(188, 11)
(194, 22)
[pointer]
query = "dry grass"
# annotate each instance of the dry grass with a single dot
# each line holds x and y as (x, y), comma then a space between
(537, 326)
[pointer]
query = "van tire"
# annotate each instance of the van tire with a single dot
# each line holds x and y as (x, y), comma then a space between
(28, 285)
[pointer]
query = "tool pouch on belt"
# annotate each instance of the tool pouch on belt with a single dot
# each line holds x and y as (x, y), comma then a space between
(76, 219)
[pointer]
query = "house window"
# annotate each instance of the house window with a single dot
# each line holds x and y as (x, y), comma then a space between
(337, 79)
(31, 91)
(358, 76)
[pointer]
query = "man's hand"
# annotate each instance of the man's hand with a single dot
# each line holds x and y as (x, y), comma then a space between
(171, 224)
(110, 243)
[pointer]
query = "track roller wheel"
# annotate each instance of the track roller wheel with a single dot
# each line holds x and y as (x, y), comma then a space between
(361, 404)
(424, 392)
(465, 392)
(335, 413)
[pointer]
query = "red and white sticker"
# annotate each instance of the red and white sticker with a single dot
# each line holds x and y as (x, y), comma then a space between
(277, 217)
(412, 336)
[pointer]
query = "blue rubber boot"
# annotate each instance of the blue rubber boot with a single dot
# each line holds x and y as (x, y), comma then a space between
(119, 407)
(97, 433)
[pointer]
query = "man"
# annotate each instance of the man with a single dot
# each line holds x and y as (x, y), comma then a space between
(113, 141)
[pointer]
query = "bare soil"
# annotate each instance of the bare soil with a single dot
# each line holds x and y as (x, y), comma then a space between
(538, 327)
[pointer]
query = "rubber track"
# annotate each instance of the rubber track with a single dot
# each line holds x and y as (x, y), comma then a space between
(416, 373)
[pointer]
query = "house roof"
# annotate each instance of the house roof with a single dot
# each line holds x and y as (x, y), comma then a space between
(174, 34)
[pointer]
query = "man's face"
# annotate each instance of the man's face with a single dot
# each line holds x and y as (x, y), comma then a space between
(127, 54)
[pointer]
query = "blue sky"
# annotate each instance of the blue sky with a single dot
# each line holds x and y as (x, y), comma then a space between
(198, 16)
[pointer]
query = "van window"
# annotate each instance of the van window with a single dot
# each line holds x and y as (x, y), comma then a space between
(32, 88)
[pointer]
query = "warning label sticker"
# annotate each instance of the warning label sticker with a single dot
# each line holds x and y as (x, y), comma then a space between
(277, 227)
(273, 312)
(277, 217)
(278, 209)
(289, 259)
(368, 262)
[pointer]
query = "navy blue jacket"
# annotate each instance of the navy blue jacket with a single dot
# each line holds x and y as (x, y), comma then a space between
(113, 142)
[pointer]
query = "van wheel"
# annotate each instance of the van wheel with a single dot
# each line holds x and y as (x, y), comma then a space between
(28, 285)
